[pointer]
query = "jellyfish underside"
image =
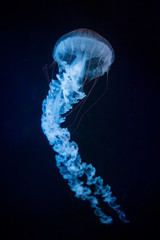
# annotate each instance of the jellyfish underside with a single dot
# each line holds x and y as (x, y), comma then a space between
(81, 55)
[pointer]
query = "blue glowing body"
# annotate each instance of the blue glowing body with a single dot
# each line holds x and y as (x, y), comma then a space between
(65, 91)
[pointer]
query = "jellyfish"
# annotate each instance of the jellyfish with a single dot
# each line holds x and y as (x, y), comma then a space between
(82, 55)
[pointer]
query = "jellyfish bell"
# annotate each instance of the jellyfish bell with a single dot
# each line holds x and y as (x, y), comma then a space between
(82, 55)
(86, 51)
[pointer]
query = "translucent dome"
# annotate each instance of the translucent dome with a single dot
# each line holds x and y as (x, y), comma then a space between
(96, 51)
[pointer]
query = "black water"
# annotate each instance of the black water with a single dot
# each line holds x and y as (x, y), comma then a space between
(119, 135)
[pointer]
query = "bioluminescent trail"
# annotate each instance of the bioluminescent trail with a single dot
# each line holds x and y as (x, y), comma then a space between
(82, 55)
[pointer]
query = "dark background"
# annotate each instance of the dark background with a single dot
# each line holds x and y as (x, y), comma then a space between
(119, 135)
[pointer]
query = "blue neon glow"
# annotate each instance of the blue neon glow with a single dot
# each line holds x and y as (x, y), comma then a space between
(81, 54)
